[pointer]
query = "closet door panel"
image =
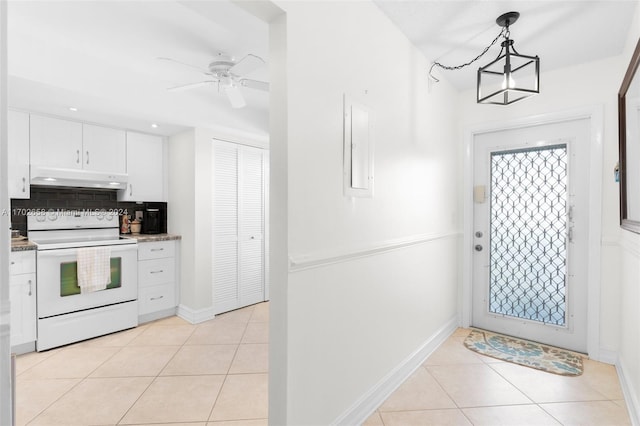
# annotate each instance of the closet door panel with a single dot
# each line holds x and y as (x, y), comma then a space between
(238, 226)
(225, 228)
(225, 276)
(251, 199)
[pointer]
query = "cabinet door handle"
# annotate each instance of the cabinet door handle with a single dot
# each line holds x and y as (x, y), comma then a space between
(156, 272)
(130, 190)
(29, 287)
(87, 157)
(77, 156)
(13, 262)
(24, 184)
(158, 249)
(157, 298)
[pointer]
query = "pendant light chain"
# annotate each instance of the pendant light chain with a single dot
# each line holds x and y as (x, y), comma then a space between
(504, 32)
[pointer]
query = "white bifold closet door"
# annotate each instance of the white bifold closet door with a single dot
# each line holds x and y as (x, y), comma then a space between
(239, 178)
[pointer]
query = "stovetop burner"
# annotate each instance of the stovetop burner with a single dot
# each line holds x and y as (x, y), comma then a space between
(70, 228)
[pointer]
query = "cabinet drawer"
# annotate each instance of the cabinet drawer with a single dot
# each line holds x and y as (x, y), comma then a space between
(22, 262)
(156, 250)
(156, 271)
(156, 298)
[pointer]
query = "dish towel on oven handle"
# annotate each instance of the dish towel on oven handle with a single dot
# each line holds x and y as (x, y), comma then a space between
(94, 268)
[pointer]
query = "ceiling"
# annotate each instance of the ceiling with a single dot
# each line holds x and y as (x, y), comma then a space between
(101, 57)
(561, 33)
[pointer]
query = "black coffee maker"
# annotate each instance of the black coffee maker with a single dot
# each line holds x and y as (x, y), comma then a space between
(152, 221)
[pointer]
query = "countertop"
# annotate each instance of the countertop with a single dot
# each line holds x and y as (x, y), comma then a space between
(147, 238)
(25, 245)
(22, 245)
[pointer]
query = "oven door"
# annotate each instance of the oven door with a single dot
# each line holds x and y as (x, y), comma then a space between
(58, 292)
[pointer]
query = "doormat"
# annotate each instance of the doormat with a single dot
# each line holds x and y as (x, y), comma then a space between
(524, 352)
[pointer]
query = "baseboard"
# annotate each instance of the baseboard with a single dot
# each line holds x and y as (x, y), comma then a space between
(607, 356)
(372, 399)
(156, 315)
(630, 394)
(195, 316)
(24, 348)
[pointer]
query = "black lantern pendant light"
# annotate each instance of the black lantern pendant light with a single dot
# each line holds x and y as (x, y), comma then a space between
(511, 77)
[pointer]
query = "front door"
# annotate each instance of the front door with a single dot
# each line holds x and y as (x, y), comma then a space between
(530, 233)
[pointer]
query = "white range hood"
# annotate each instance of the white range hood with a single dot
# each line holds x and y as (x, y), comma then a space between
(77, 178)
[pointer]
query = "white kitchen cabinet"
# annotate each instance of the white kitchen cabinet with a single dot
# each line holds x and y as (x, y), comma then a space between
(145, 167)
(22, 295)
(18, 142)
(64, 144)
(156, 280)
(239, 178)
(103, 149)
(55, 142)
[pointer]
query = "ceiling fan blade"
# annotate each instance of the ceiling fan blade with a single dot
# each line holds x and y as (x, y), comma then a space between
(235, 96)
(246, 65)
(204, 71)
(190, 86)
(255, 84)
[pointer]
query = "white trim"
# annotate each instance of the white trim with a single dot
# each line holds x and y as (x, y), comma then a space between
(630, 394)
(315, 260)
(374, 397)
(194, 316)
(152, 316)
(595, 115)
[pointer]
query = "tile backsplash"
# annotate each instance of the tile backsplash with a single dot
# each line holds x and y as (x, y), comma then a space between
(58, 198)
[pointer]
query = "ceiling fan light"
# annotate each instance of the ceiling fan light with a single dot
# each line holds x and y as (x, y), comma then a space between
(235, 97)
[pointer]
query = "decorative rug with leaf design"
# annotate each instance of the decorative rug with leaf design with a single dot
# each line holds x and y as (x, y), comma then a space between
(524, 352)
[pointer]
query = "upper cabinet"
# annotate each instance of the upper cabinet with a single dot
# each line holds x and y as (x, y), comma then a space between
(18, 170)
(145, 167)
(104, 149)
(71, 145)
(56, 143)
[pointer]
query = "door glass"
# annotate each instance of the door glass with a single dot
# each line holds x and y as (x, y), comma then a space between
(69, 277)
(528, 234)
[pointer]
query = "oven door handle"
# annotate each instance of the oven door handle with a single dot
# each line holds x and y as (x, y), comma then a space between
(72, 251)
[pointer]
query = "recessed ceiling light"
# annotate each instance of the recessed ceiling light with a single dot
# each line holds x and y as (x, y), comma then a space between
(74, 109)
(154, 125)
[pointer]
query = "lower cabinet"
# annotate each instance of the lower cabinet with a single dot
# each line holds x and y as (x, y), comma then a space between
(156, 280)
(22, 295)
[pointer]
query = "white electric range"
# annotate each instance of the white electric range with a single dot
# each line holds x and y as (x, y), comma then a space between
(65, 314)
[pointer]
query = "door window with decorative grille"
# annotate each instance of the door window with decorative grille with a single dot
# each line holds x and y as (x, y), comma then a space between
(528, 234)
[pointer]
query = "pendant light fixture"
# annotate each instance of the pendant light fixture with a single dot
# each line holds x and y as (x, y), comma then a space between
(510, 77)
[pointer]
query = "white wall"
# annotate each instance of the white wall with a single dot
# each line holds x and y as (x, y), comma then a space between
(591, 84)
(5, 347)
(629, 351)
(586, 85)
(371, 280)
(189, 214)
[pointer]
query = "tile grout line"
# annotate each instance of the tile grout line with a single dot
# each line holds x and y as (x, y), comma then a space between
(230, 365)
(80, 379)
(153, 380)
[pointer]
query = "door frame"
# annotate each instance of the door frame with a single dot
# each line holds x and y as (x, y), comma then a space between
(595, 115)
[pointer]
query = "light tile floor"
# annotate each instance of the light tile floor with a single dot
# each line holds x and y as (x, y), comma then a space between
(164, 372)
(215, 373)
(456, 386)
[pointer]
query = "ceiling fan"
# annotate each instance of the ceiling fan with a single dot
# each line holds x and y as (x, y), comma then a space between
(228, 76)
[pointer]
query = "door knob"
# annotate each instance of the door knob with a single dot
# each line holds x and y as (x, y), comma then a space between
(478, 247)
